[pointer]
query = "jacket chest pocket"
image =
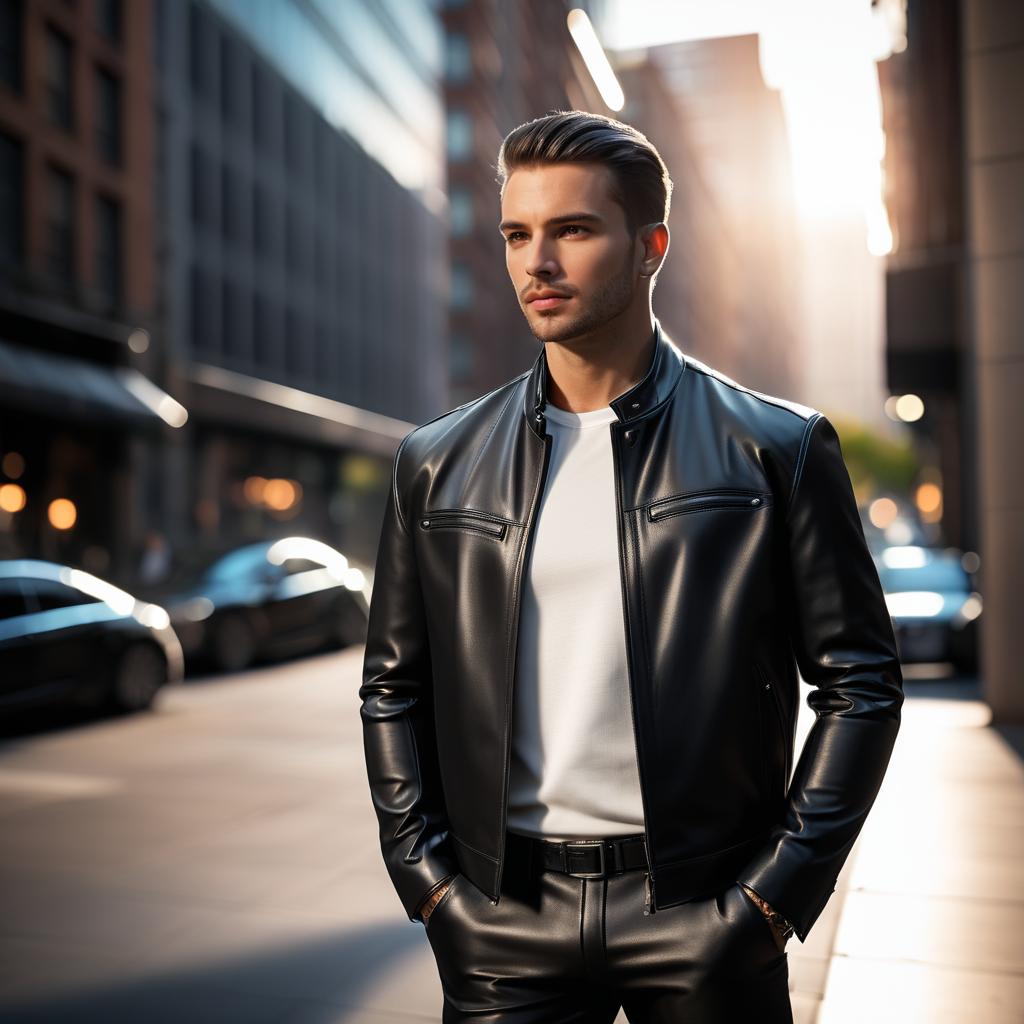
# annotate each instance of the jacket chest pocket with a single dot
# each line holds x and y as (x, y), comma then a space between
(464, 519)
(701, 501)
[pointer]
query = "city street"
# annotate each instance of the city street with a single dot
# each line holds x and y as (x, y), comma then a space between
(217, 860)
(481, 292)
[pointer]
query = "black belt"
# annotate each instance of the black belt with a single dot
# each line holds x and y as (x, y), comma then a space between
(584, 858)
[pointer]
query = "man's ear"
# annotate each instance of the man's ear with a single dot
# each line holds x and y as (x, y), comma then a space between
(654, 239)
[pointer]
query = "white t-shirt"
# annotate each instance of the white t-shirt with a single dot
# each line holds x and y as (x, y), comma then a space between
(573, 772)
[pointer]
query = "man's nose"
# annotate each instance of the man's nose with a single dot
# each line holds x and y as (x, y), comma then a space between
(540, 261)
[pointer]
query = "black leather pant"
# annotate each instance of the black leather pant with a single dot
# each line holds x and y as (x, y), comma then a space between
(557, 949)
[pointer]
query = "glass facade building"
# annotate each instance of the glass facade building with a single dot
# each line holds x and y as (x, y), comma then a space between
(304, 252)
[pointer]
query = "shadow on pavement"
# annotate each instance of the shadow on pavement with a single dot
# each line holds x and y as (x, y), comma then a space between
(312, 983)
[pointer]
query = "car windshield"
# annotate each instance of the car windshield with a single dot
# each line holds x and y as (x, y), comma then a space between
(243, 563)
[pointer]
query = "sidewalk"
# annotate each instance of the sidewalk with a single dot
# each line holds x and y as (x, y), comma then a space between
(927, 921)
(217, 862)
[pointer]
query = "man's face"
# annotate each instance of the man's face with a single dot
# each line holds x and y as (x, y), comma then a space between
(566, 238)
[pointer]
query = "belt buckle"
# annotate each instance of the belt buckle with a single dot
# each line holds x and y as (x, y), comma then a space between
(589, 843)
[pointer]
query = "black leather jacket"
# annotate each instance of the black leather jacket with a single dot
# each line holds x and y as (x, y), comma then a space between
(742, 560)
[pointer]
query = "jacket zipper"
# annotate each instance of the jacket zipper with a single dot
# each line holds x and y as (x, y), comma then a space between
(467, 519)
(698, 502)
(521, 571)
(649, 907)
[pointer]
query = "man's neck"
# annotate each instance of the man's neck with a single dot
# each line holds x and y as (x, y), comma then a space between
(588, 374)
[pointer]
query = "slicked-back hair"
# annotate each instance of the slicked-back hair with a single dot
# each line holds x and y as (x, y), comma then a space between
(640, 181)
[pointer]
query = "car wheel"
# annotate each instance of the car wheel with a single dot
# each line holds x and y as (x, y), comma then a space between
(349, 624)
(965, 662)
(140, 672)
(340, 627)
(234, 644)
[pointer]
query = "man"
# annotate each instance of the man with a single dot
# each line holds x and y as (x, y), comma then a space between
(593, 590)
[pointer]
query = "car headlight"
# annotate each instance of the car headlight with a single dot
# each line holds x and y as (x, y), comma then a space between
(154, 616)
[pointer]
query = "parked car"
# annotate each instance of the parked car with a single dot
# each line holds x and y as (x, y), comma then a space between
(271, 598)
(67, 636)
(933, 608)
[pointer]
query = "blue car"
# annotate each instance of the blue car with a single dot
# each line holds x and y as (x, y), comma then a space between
(933, 606)
(68, 637)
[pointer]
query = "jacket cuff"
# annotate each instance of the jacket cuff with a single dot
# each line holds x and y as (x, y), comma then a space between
(778, 874)
(418, 915)
(414, 881)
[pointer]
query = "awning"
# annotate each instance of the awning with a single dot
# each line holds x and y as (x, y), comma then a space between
(236, 400)
(62, 387)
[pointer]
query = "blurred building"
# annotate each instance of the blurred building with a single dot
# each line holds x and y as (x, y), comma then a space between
(724, 139)
(955, 182)
(504, 64)
(302, 256)
(79, 414)
(927, 345)
(697, 295)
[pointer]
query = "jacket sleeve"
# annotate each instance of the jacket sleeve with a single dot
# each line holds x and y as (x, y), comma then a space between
(397, 715)
(842, 638)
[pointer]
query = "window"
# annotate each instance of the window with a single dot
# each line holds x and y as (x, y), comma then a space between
(293, 566)
(58, 78)
(236, 330)
(204, 189)
(108, 249)
(294, 342)
(260, 220)
(462, 287)
(195, 306)
(108, 18)
(12, 600)
(458, 58)
(322, 156)
(198, 33)
(205, 312)
(459, 135)
(49, 594)
(60, 224)
(267, 333)
(231, 81)
(265, 111)
(294, 134)
(233, 203)
(461, 211)
(322, 256)
(108, 116)
(196, 183)
(323, 359)
(12, 199)
(11, 42)
(295, 241)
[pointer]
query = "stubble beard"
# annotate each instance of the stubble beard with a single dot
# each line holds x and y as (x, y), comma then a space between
(612, 301)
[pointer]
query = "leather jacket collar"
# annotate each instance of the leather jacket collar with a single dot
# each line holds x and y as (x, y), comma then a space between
(657, 384)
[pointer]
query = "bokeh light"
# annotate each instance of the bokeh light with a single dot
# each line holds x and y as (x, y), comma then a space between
(13, 465)
(62, 513)
(12, 497)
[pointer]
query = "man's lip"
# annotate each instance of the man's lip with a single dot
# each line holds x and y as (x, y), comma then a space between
(549, 297)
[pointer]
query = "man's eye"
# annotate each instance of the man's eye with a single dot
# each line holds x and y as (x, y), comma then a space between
(514, 236)
(576, 228)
